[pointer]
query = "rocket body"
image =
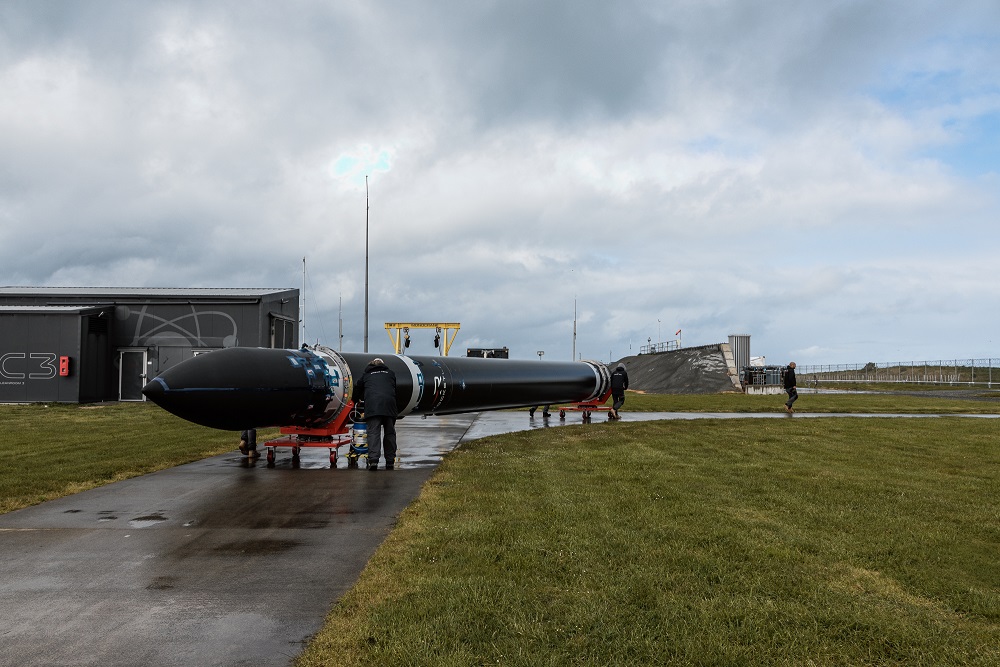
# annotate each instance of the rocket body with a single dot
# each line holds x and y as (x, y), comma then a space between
(238, 388)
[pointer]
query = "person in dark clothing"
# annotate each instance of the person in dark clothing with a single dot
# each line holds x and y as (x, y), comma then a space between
(793, 393)
(377, 388)
(248, 442)
(619, 383)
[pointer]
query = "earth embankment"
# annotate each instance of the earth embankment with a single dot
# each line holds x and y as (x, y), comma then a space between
(692, 370)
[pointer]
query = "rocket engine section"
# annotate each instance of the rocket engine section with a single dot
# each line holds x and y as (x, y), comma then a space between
(237, 388)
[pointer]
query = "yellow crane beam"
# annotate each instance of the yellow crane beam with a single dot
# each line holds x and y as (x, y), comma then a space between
(402, 333)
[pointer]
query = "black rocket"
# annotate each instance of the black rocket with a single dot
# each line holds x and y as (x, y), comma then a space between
(240, 387)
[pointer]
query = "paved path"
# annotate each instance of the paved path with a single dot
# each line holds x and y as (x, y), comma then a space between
(217, 562)
(210, 563)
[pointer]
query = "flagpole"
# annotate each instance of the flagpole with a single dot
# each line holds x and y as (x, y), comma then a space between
(302, 312)
(574, 329)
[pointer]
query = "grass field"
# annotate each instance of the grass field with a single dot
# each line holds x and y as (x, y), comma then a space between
(878, 403)
(790, 542)
(717, 542)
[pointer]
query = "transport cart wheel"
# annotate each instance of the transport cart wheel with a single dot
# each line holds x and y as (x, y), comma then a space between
(270, 457)
(562, 415)
(333, 459)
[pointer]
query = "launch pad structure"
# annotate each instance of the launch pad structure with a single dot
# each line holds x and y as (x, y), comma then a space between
(401, 339)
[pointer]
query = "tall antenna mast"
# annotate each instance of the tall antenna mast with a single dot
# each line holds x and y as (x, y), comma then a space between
(366, 262)
(302, 311)
(340, 319)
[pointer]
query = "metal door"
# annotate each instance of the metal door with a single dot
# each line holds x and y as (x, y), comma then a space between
(131, 375)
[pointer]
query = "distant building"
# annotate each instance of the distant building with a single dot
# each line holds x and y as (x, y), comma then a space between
(488, 352)
(84, 344)
(764, 379)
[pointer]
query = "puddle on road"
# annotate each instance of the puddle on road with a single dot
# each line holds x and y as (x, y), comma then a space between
(252, 547)
(147, 521)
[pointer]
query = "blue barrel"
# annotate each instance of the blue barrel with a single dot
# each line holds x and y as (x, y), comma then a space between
(359, 438)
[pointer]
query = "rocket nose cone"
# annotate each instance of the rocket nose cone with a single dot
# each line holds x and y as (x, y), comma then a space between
(240, 387)
(155, 390)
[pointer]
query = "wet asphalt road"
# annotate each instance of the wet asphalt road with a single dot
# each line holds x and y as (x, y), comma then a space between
(211, 563)
(214, 562)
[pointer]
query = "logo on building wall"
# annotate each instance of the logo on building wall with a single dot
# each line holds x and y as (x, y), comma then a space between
(190, 328)
(15, 367)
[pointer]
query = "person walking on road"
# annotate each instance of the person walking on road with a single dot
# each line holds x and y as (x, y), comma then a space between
(790, 388)
(377, 388)
(619, 383)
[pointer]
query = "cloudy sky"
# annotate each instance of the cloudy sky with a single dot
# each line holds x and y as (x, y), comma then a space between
(824, 176)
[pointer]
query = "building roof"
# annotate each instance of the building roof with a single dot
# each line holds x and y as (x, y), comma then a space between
(69, 310)
(158, 292)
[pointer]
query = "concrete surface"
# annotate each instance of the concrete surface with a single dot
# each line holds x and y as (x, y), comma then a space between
(218, 562)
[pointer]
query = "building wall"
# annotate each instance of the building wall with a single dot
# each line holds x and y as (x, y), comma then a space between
(30, 348)
(166, 328)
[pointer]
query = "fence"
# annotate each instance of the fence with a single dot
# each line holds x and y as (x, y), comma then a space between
(653, 348)
(972, 372)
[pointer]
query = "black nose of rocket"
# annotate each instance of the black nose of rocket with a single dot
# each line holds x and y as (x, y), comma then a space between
(238, 388)
(155, 391)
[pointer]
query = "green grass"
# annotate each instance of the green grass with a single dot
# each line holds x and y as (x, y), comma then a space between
(814, 403)
(55, 450)
(788, 542)
(892, 386)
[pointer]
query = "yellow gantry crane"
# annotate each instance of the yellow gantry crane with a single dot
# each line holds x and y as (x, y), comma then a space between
(401, 338)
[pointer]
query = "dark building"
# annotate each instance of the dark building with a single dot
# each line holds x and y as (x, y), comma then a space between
(488, 352)
(79, 345)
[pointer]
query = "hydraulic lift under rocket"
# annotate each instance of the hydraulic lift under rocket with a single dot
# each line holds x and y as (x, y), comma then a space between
(307, 391)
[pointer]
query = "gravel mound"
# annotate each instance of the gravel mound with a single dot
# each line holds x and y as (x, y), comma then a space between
(691, 370)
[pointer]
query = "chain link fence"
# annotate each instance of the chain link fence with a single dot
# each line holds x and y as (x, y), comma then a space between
(971, 372)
